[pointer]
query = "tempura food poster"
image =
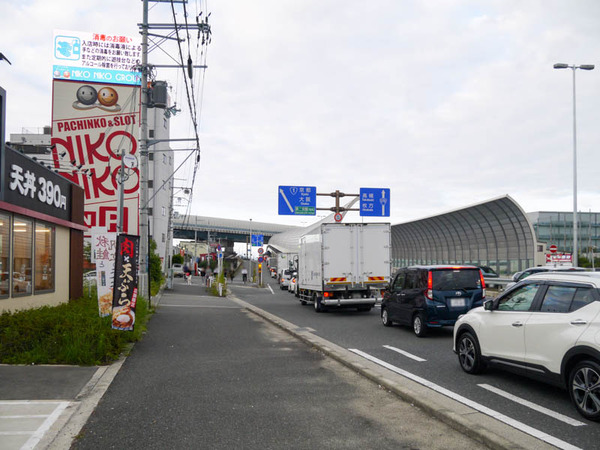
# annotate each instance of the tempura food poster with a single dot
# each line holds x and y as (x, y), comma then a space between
(125, 283)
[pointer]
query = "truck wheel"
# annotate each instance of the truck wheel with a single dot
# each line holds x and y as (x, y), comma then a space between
(317, 303)
(419, 326)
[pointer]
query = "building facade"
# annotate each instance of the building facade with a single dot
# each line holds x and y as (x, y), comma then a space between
(555, 227)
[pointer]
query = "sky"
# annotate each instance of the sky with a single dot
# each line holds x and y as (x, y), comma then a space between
(447, 103)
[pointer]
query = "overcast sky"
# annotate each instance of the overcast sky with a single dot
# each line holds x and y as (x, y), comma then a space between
(447, 103)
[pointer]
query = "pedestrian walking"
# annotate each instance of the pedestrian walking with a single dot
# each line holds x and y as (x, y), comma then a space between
(244, 275)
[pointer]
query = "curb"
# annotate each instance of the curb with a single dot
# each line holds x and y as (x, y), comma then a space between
(470, 422)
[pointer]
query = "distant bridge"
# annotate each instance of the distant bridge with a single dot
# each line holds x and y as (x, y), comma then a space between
(199, 227)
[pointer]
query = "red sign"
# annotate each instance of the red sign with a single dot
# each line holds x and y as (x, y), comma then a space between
(338, 217)
(553, 248)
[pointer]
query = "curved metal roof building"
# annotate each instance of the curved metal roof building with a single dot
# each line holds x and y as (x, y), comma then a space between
(495, 233)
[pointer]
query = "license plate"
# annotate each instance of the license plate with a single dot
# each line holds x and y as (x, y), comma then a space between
(457, 302)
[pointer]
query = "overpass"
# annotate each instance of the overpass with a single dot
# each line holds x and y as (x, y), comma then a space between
(231, 230)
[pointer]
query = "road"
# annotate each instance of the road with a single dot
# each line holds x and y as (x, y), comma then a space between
(540, 409)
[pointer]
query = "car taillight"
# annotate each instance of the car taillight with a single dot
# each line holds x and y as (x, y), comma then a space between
(482, 284)
(429, 293)
(327, 294)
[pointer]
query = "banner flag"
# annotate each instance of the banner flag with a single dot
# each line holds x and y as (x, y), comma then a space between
(104, 245)
(125, 283)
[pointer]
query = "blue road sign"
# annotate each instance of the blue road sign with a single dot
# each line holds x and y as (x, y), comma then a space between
(297, 200)
(375, 202)
(257, 240)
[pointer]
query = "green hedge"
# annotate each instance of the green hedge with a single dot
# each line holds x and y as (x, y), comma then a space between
(71, 333)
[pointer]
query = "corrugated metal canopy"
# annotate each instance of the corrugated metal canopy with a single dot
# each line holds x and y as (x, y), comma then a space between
(495, 233)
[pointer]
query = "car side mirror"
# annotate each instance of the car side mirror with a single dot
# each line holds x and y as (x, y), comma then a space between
(488, 305)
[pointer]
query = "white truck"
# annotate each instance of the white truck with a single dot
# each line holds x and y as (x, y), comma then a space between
(344, 265)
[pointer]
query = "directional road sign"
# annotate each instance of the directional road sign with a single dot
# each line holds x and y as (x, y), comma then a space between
(257, 240)
(297, 200)
(375, 202)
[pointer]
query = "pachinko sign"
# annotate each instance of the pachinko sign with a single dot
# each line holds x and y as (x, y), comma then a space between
(104, 248)
(125, 282)
(93, 126)
(96, 57)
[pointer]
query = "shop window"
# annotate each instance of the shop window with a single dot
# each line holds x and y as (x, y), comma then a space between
(44, 260)
(4, 254)
(22, 256)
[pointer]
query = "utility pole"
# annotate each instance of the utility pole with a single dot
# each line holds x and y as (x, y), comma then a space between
(143, 223)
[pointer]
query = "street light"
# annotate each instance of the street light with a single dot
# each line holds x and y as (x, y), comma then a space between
(574, 67)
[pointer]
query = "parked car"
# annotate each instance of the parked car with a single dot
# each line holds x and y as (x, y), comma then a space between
(546, 327)
(431, 296)
(89, 277)
(532, 270)
(293, 283)
(488, 272)
(21, 283)
(177, 270)
(284, 279)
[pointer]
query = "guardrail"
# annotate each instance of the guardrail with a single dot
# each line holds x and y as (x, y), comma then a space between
(491, 283)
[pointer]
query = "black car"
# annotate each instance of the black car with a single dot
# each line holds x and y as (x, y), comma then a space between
(432, 296)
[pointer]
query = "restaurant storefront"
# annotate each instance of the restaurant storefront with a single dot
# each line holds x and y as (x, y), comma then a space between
(41, 234)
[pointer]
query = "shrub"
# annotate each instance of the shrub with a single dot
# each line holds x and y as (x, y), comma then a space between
(71, 333)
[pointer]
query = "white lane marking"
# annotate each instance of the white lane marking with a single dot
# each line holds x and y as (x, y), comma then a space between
(200, 306)
(538, 408)
(269, 286)
(476, 406)
(402, 352)
(28, 416)
(39, 433)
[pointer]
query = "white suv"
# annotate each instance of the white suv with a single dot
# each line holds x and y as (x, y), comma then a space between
(546, 325)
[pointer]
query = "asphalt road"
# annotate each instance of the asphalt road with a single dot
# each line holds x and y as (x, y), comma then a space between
(211, 374)
(546, 409)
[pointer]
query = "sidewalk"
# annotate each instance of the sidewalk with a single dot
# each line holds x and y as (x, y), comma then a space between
(211, 374)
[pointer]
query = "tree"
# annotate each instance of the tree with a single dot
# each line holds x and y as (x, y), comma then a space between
(177, 259)
(155, 264)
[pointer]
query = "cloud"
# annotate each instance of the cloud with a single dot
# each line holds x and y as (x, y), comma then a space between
(447, 103)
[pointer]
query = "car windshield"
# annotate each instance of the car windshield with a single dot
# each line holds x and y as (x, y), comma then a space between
(451, 279)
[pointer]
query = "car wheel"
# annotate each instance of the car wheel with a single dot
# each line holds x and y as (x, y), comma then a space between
(584, 387)
(419, 326)
(317, 303)
(385, 318)
(469, 354)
